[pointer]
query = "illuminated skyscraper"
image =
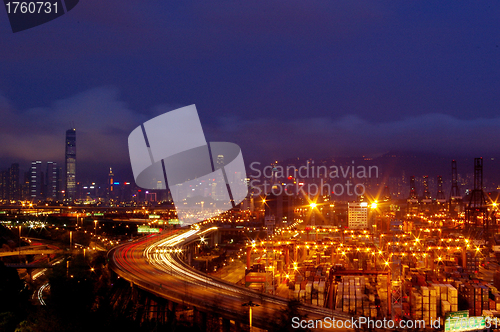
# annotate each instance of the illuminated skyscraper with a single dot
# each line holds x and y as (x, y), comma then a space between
(218, 187)
(70, 164)
(36, 181)
(280, 206)
(358, 215)
(52, 181)
(14, 193)
(4, 184)
(9, 183)
(110, 188)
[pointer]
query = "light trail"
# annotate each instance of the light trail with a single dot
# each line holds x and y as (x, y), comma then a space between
(40, 293)
(168, 261)
(156, 264)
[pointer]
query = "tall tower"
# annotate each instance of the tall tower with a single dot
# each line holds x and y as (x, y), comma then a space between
(52, 181)
(413, 190)
(71, 164)
(14, 182)
(476, 212)
(36, 181)
(9, 183)
(455, 198)
(427, 193)
(455, 192)
(4, 188)
(111, 183)
(412, 201)
(218, 188)
(440, 193)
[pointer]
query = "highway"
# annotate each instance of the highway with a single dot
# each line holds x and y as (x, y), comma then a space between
(31, 251)
(155, 264)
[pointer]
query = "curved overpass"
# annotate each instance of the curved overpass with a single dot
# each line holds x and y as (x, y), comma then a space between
(155, 264)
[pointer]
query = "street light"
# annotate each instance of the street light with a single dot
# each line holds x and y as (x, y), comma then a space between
(19, 240)
(95, 227)
(313, 215)
(250, 304)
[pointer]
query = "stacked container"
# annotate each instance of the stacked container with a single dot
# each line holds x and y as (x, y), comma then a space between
(417, 304)
(426, 308)
(452, 298)
(351, 297)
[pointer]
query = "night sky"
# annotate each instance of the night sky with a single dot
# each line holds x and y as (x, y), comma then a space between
(279, 78)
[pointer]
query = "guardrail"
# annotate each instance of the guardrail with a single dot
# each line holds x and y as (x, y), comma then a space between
(29, 252)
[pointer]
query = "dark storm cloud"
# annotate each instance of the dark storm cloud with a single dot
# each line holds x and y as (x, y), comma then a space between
(102, 120)
(269, 139)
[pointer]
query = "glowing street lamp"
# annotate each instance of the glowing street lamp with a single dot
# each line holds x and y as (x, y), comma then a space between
(19, 241)
(250, 304)
(313, 215)
(95, 227)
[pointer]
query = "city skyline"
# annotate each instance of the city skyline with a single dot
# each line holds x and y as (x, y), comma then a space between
(333, 177)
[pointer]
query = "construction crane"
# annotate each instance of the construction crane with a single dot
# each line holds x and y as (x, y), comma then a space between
(476, 212)
(455, 198)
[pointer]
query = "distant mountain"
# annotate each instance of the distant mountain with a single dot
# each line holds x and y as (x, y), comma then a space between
(418, 164)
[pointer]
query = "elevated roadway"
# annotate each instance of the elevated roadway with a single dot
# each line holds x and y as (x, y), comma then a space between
(155, 264)
(31, 251)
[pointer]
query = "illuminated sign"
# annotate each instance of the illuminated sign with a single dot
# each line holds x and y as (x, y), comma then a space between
(154, 216)
(457, 314)
(255, 277)
(465, 324)
(174, 222)
(147, 229)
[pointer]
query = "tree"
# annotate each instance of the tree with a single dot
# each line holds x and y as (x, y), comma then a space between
(13, 298)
